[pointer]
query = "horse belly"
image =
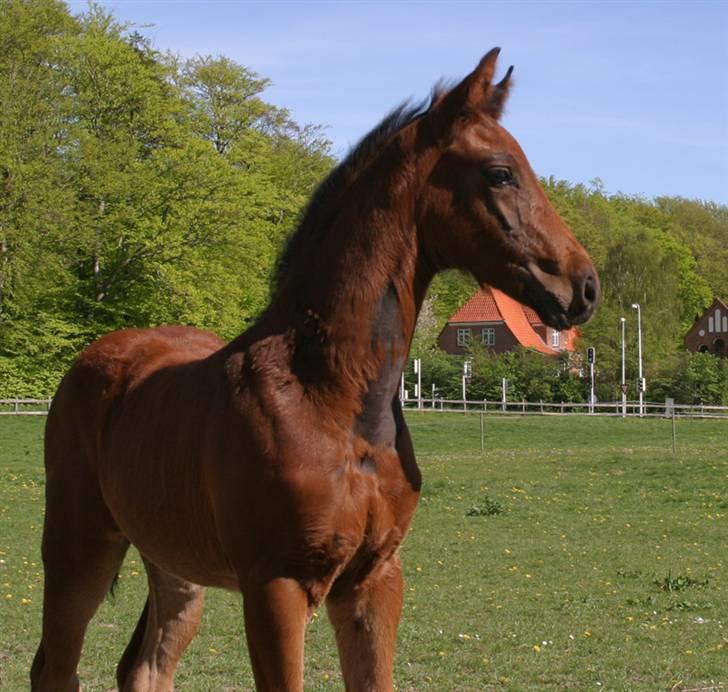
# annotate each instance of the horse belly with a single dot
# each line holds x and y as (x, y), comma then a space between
(151, 472)
(160, 508)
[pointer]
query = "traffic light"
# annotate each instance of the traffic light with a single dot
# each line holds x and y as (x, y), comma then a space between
(591, 355)
(642, 384)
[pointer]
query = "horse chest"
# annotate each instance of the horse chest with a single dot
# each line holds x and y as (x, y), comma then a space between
(360, 524)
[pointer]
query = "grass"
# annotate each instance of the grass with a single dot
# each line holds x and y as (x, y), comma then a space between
(595, 560)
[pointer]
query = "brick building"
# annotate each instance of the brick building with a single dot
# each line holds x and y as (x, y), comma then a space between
(709, 334)
(501, 323)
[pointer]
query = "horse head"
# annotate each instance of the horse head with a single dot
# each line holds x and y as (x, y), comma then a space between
(481, 208)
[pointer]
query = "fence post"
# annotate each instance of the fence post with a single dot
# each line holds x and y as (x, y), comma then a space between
(482, 434)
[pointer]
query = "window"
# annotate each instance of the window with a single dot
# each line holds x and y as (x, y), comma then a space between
(487, 336)
(555, 338)
(463, 337)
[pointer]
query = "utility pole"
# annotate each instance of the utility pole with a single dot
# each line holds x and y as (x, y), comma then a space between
(624, 381)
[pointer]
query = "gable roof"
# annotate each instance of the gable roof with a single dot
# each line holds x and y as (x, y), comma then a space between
(717, 304)
(491, 305)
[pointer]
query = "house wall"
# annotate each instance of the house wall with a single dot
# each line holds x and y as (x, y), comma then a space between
(710, 332)
(504, 339)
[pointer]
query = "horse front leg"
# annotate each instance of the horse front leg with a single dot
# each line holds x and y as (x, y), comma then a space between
(366, 617)
(276, 613)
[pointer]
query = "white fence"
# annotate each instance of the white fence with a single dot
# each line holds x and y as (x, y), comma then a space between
(24, 407)
(651, 409)
(40, 407)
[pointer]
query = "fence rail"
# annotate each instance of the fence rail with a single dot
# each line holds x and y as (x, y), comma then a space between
(24, 407)
(652, 409)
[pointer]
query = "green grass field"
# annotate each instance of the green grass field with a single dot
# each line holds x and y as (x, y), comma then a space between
(575, 553)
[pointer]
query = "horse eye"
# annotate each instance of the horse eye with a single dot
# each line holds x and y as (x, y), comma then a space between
(499, 176)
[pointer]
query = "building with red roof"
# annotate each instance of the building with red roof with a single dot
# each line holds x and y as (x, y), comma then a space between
(501, 323)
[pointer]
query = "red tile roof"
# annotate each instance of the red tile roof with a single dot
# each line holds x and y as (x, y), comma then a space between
(480, 308)
(531, 315)
(491, 305)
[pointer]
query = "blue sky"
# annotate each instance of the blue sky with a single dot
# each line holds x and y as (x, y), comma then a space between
(635, 93)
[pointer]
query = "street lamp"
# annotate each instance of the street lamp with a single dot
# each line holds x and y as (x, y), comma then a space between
(641, 383)
(624, 383)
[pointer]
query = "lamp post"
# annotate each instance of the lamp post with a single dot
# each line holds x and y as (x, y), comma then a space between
(641, 383)
(624, 382)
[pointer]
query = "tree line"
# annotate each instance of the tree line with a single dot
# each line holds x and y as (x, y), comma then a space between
(138, 188)
(135, 188)
(669, 255)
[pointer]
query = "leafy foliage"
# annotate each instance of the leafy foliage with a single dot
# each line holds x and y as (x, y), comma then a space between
(138, 189)
(669, 255)
(135, 190)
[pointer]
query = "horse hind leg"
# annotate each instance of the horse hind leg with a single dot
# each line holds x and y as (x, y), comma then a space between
(167, 625)
(82, 553)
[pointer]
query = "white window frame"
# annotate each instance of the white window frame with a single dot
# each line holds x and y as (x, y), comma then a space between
(555, 338)
(464, 336)
(487, 336)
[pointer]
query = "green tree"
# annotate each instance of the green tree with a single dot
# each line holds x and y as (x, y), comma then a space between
(698, 378)
(36, 202)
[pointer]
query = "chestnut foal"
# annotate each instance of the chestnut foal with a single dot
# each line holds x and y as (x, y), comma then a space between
(280, 464)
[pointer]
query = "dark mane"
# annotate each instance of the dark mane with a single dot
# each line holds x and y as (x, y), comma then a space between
(319, 212)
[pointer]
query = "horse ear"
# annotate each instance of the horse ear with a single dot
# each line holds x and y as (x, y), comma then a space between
(498, 94)
(480, 79)
(472, 94)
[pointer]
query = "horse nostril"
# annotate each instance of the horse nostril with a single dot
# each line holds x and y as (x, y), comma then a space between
(590, 290)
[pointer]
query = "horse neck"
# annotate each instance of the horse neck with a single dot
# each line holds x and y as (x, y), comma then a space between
(351, 302)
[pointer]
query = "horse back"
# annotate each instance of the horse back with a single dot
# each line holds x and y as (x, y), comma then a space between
(113, 366)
